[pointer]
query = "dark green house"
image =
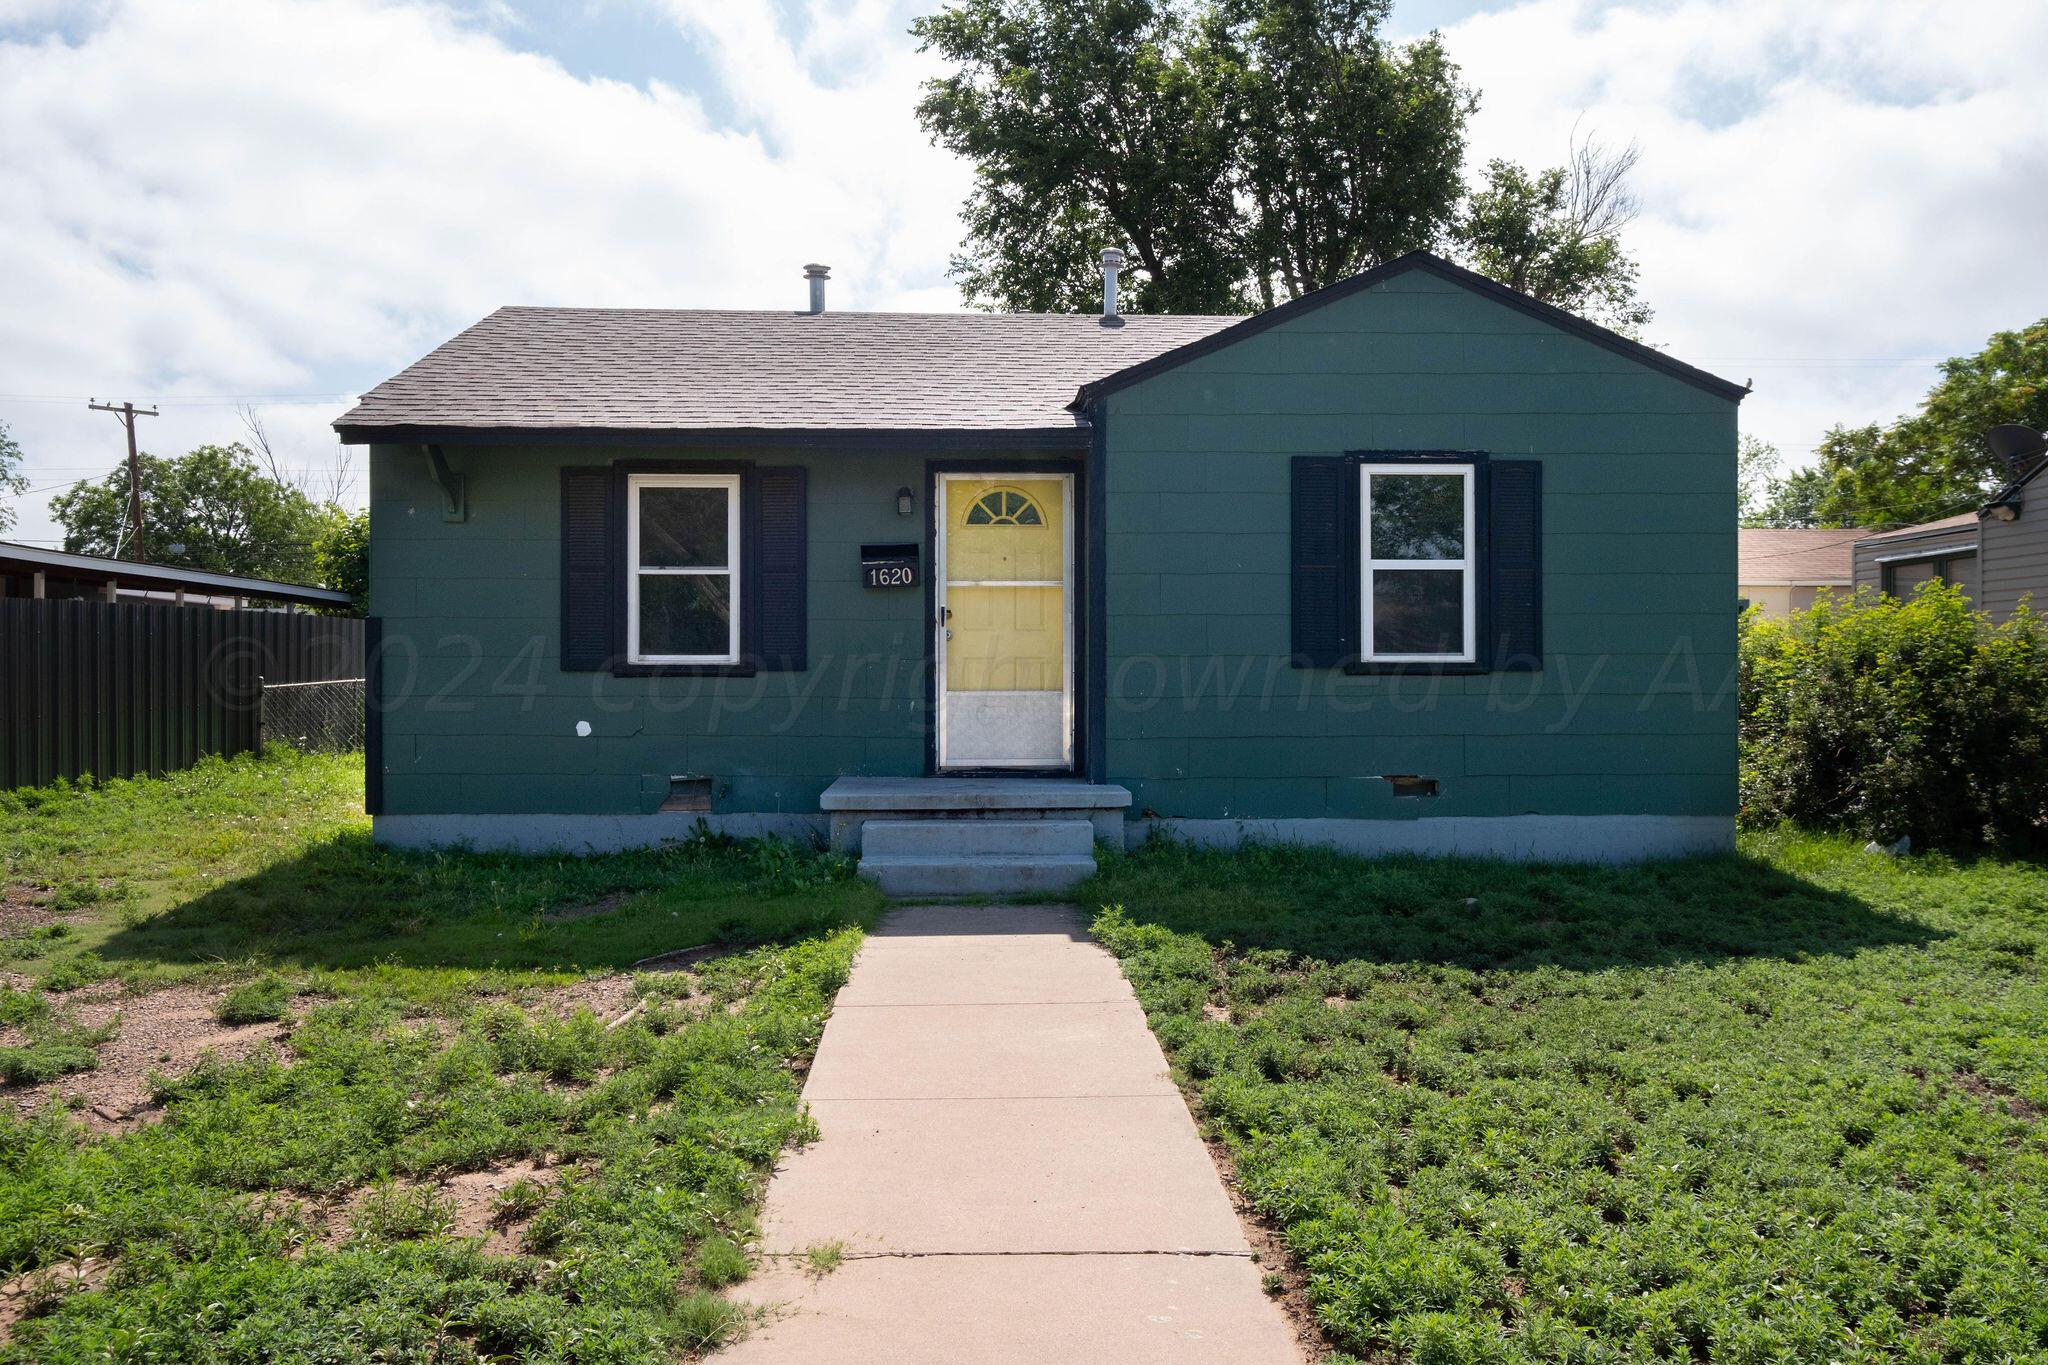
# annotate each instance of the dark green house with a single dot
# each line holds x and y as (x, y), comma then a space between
(1413, 563)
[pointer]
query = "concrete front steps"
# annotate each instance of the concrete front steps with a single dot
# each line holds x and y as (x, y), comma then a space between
(976, 857)
(950, 837)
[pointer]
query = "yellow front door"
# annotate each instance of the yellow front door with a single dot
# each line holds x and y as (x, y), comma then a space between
(1005, 629)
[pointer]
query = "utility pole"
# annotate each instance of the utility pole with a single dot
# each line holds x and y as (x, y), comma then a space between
(128, 412)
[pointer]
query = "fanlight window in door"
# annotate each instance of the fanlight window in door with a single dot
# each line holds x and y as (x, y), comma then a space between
(1004, 507)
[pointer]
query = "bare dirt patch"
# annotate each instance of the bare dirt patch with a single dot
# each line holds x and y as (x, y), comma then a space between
(1990, 1094)
(603, 905)
(23, 909)
(607, 997)
(472, 1201)
(167, 1031)
(38, 1291)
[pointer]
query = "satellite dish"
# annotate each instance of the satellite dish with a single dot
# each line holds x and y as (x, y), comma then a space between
(2018, 446)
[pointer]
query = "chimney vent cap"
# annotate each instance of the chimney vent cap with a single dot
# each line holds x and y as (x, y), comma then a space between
(1112, 262)
(817, 275)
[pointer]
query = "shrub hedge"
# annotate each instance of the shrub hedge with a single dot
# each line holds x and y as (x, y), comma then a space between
(1884, 718)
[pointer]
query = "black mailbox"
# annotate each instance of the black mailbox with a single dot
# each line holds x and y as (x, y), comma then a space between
(888, 566)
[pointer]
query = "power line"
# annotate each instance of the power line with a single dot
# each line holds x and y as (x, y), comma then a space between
(189, 400)
(90, 469)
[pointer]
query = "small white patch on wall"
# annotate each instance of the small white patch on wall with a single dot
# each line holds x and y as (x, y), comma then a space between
(583, 729)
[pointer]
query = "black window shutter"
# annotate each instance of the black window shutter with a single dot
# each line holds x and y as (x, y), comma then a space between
(1514, 503)
(776, 603)
(1324, 535)
(590, 570)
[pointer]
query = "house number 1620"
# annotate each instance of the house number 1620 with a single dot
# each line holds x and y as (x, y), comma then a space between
(899, 574)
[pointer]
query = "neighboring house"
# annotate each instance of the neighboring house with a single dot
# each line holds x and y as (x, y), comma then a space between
(1413, 562)
(26, 571)
(1782, 570)
(1998, 555)
(1896, 562)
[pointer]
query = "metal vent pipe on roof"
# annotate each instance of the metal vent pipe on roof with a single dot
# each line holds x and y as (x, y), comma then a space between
(817, 275)
(1112, 261)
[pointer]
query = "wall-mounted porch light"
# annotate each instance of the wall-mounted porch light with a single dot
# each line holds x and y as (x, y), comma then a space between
(906, 501)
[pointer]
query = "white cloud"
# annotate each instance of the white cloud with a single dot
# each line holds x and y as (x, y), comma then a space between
(1845, 182)
(225, 197)
(255, 197)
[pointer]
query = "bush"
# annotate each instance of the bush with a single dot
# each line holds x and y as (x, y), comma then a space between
(1885, 718)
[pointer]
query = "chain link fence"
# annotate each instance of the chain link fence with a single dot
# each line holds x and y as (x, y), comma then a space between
(318, 717)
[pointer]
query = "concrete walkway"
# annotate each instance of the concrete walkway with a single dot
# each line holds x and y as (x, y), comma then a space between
(1013, 1175)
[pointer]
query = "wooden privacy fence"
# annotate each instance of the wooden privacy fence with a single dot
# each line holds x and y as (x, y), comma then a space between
(121, 690)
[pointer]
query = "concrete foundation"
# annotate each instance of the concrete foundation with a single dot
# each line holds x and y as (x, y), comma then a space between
(1516, 838)
(1526, 838)
(583, 833)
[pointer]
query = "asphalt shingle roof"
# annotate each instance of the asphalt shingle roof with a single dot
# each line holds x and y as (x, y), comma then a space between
(1944, 523)
(1796, 556)
(686, 369)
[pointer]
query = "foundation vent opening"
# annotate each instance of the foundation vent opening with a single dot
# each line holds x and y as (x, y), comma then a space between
(1407, 784)
(692, 794)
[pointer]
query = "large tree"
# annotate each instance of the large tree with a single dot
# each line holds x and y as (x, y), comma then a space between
(1556, 235)
(1346, 151)
(1246, 152)
(1934, 463)
(213, 509)
(1242, 149)
(1087, 127)
(12, 484)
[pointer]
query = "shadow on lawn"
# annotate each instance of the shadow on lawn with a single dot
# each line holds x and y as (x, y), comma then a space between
(1493, 915)
(347, 902)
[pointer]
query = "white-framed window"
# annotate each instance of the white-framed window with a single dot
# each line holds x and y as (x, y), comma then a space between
(683, 568)
(1418, 563)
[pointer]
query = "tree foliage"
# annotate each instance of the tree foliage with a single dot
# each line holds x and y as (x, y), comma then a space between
(1245, 152)
(1770, 496)
(12, 482)
(341, 554)
(1346, 151)
(1556, 235)
(212, 509)
(1087, 126)
(1934, 463)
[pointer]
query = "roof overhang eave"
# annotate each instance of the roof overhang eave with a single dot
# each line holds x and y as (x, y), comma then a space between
(1073, 436)
(170, 576)
(1747, 582)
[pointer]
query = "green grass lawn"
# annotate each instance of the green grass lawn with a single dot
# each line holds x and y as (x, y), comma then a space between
(1783, 1107)
(291, 1204)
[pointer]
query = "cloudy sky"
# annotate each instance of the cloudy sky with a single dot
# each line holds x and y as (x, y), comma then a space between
(212, 202)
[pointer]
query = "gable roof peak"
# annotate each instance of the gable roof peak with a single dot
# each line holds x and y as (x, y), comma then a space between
(1436, 265)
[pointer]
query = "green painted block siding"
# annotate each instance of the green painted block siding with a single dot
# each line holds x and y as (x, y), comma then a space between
(480, 718)
(1634, 712)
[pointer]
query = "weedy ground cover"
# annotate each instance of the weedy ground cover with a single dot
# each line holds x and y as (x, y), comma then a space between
(1785, 1106)
(435, 1015)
